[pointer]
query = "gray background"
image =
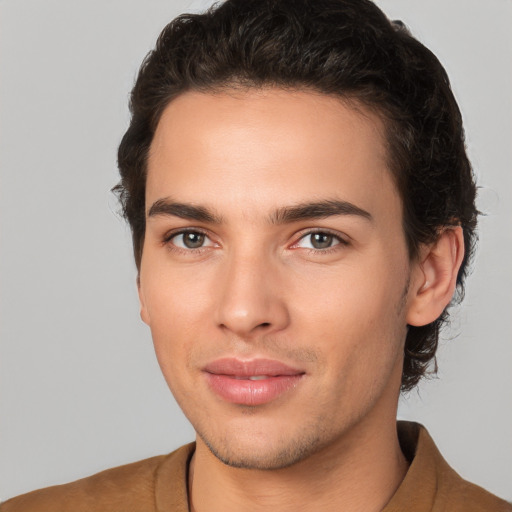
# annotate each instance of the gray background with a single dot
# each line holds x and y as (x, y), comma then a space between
(80, 388)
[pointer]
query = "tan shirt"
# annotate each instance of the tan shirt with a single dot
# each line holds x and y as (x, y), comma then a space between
(159, 484)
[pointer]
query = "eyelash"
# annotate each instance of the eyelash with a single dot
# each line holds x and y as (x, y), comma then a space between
(167, 240)
(342, 242)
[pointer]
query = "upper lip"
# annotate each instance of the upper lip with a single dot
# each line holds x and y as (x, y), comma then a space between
(239, 368)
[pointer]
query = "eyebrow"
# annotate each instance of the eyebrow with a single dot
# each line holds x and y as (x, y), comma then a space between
(184, 211)
(317, 210)
(283, 215)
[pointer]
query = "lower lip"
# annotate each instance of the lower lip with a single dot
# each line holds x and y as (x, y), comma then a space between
(251, 392)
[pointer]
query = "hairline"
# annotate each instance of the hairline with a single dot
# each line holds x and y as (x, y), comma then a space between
(238, 85)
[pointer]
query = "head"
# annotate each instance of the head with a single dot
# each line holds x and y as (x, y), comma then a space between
(347, 49)
(343, 51)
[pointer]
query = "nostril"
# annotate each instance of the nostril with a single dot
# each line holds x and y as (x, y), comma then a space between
(265, 324)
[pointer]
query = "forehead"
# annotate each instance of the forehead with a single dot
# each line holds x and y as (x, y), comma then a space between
(259, 148)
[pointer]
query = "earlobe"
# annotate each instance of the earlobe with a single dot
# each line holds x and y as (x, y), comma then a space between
(144, 315)
(436, 277)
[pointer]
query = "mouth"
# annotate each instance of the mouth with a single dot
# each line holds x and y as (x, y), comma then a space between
(254, 382)
(253, 377)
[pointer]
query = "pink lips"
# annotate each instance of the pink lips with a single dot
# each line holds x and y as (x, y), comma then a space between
(254, 382)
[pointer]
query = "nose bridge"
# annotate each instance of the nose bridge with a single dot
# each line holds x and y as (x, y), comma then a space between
(250, 299)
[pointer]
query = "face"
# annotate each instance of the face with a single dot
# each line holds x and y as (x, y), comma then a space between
(274, 272)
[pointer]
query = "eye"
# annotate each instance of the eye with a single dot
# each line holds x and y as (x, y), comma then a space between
(319, 240)
(190, 240)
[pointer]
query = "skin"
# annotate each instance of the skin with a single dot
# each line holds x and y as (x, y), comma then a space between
(254, 288)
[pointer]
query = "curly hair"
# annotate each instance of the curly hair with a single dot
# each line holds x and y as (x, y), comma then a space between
(345, 48)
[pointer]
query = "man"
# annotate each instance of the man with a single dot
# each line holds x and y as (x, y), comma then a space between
(302, 211)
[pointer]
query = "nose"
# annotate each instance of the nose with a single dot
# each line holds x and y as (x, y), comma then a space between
(250, 300)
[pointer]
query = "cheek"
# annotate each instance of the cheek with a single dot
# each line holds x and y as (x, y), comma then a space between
(356, 318)
(173, 296)
(356, 296)
(176, 308)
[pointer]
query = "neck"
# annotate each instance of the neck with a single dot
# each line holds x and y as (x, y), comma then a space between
(359, 472)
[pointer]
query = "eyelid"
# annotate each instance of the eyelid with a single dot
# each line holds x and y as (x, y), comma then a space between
(311, 231)
(180, 231)
(341, 237)
(167, 238)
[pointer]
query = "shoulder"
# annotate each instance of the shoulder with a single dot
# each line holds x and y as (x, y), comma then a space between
(123, 488)
(431, 484)
(456, 494)
(459, 495)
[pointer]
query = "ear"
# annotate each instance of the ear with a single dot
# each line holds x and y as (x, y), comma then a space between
(144, 314)
(436, 277)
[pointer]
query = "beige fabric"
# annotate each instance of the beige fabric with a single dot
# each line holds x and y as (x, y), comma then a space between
(159, 484)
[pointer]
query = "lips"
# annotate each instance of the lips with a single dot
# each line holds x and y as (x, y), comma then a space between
(254, 382)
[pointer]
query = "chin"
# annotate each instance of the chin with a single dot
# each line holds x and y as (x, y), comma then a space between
(268, 458)
(266, 450)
